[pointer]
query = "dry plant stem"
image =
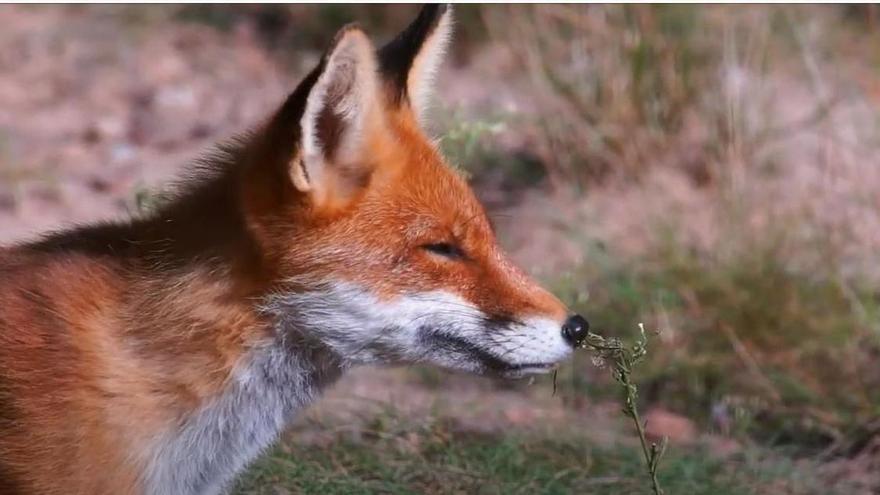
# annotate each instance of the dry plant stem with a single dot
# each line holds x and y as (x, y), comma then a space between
(622, 361)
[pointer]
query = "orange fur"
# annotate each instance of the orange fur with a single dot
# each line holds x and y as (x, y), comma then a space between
(111, 336)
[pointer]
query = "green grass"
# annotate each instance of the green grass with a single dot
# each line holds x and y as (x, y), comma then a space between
(438, 458)
(785, 352)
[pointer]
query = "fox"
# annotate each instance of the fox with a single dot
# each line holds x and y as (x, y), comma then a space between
(162, 354)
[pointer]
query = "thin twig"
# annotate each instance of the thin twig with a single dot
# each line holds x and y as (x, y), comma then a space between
(622, 360)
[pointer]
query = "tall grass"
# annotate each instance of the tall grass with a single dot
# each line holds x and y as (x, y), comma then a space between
(615, 83)
(763, 279)
(619, 90)
(749, 344)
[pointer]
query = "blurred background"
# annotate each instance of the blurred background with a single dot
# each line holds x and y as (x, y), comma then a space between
(711, 171)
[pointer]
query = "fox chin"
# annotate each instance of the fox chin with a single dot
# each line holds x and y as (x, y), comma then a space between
(162, 354)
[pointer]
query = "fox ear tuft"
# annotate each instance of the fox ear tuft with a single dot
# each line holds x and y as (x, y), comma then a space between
(340, 111)
(410, 61)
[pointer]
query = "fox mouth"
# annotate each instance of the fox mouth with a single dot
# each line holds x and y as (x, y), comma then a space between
(488, 361)
(532, 367)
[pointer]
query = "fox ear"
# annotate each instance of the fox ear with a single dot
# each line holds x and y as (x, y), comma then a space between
(341, 110)
(410, 61)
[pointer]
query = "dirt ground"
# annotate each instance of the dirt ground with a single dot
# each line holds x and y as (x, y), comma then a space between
(98, 108)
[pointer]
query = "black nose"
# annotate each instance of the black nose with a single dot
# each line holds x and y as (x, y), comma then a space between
(575, 329)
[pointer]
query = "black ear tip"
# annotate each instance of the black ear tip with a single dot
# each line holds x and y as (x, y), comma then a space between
(431, 14)
(435, 11)
(396, 58)
(439, 8)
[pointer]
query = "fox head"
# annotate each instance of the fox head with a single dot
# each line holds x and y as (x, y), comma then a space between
(383, 253)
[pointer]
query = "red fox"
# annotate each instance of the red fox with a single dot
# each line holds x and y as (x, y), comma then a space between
(162, 355)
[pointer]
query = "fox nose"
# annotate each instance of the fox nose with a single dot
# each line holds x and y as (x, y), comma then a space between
(575, 330)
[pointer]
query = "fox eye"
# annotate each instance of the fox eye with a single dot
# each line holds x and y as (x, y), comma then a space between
(445, 249)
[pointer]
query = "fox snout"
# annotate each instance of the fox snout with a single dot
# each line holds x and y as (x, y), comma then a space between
(436, 327)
